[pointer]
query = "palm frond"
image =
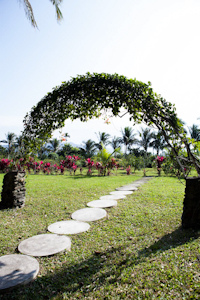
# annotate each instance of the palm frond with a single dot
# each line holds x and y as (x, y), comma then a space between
(29, 12)
(56, 3)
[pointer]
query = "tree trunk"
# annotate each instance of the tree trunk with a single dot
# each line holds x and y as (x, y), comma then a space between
(191, 204)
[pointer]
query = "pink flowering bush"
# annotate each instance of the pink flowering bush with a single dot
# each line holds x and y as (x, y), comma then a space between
(159, 160)
(90, 164)
(128, 170)
(4, 164)
(70, 164)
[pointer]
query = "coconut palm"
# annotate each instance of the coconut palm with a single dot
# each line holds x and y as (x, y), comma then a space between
(88, 150)
(128, 138)
(115, 143)
(194, 132)
(19, 145)
(145, 142)
(158, 142)
(54, 145)
(10, 140)
(103, 138)
(29, 11)
(146, 136)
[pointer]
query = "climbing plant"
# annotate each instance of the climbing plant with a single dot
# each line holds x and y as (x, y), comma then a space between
(86, 96)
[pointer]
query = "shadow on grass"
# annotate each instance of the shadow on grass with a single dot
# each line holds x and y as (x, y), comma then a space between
(101, 268)
(171, 240)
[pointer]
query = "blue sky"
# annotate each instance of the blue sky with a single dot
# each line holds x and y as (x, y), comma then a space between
(150, 40)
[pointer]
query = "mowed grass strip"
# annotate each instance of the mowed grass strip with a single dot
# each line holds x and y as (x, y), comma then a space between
(138, 252)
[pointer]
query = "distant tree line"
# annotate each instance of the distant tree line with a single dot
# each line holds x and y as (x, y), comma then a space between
(136, 144)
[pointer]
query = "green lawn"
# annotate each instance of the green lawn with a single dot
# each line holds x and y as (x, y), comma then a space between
(138, 252)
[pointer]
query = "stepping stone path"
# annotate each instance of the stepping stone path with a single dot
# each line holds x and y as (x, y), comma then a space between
(68, 227)
(112, 197)
(127, 188)
(121, 193)
(102, 203)
(16, 269)
(45, 244)
(89, 214)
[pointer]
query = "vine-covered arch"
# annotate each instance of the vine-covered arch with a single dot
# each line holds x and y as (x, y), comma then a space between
(85, 96)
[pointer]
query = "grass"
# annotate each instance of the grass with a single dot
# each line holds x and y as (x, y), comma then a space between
(138, 252)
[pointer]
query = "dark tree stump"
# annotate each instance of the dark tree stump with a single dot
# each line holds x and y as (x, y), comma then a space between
(13, 191)
(191, 204)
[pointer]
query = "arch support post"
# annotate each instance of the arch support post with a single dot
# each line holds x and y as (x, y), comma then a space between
(191, 204)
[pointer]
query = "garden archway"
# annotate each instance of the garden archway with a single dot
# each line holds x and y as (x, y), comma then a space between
(85, 96)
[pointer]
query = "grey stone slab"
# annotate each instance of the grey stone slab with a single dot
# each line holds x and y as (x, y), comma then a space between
(89, 214)
(121, 192)
(112, 197)
(45, 245)
(127, 188)
(17, 269)
(68, 227)
(102, 203)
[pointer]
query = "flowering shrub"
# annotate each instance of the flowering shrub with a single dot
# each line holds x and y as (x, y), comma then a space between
(99, 168)
(4, 164)
(70, 163)
(90, 165)
(159, 160)
(128, 170)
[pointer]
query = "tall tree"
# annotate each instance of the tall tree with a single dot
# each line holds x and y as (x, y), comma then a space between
(115, 142)
(88, 149)
(54, 145)
(103, 138)
(195, 132)
(10, 140)
(128, 138)
(158, 142)
(67, 149)
(146, 137)
(19, 145)
(29, 11)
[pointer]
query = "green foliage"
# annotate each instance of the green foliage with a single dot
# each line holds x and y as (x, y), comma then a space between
(171, 167)
(84, 97)
(3, 152)
(67, 149)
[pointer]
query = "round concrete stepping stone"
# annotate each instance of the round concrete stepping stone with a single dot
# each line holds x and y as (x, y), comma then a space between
(112, 197)
(126, 188)
(45, 244)
(102, 203)
(68, 227)
(89, 214)
(17, 269)
(121, 192)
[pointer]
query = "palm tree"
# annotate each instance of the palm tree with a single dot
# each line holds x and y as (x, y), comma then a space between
(158, 142)
(54, 145)
(19, 145)
(88, 149)
(128, 138)
(115, 143)
(194, 132)
(10, 140)
(29, 11)
(146, 136)
(103, 138)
